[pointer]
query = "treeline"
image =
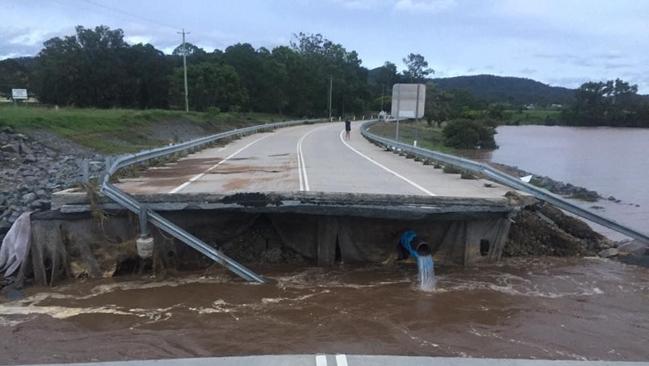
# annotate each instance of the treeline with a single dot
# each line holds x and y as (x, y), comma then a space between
(98, 68)
(612, 103)
(512, 90)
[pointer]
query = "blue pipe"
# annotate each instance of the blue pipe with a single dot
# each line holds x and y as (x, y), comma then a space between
(414, 247)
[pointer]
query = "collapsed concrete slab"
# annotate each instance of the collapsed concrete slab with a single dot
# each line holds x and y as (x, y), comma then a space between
(96, 238)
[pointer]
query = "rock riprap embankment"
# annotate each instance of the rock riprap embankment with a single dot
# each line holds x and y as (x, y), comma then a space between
(564, 189)
(30, 172)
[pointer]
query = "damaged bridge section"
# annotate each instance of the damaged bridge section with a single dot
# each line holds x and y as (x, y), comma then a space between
(97, 238)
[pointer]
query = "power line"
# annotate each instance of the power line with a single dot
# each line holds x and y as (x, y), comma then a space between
(123, 12)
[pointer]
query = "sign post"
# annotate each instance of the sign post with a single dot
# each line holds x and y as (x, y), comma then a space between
(408, 100)
(18, 94)
(396, 134)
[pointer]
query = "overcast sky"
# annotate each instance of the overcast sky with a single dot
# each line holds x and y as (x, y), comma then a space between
(560, 42)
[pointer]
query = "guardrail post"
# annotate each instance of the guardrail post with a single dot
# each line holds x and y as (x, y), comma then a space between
(144, 243)
(84, 173)
(108, 161)
(144, 221)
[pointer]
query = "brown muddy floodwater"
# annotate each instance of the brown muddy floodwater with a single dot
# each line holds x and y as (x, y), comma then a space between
(549, 308)
(611, 161)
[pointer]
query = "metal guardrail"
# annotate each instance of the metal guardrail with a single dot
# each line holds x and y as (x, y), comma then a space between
(128, 202)
(501, 178)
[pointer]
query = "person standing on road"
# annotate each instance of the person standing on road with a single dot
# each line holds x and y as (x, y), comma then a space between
(348, 129)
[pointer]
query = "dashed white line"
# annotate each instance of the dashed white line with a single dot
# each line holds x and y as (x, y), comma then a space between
(199, 176)
(341, 360)
(384, 167)
(321, 360)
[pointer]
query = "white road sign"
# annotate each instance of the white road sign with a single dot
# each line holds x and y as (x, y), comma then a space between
(18, 94)
(408, 100)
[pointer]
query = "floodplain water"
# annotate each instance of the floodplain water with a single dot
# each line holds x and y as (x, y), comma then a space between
(551, 308)
(611, 161)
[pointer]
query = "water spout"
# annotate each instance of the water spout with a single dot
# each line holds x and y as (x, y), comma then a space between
(410, 244)
(426, 266)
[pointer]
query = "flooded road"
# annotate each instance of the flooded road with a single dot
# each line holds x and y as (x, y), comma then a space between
(535, 308)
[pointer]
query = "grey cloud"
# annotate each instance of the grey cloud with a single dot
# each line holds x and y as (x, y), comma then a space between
(614, 65)
(568, 81)
(605, 60)
(19, 42)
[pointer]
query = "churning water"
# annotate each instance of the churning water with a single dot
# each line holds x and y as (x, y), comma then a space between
(549, 308)
(426, 273)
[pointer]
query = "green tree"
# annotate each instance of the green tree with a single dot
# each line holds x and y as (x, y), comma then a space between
(469, 134)
(96, 67)
(324, 59)
(438, 105)
(611, 103)
(85, 69)
(146, 83)
(189, 50)
(416, 68)
(212, 85)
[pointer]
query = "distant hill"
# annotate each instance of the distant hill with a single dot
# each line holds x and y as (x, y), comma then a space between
(514, 90)
(15, 73)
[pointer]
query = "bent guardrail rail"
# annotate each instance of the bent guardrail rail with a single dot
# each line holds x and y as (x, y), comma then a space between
(502, 178)
(128, 202)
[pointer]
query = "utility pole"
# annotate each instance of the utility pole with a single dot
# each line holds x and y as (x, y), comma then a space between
(185, 70)
(331, 84)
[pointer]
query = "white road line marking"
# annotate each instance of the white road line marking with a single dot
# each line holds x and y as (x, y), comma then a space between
(301, 165)
(199, 176)
(321, 360)
(385, 168)
(341, 360)
(299, 168)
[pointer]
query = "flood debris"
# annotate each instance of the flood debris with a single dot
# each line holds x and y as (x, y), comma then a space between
(15, 245)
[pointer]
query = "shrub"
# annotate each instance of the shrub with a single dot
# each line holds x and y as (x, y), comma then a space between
(469, 134)
(213, 111)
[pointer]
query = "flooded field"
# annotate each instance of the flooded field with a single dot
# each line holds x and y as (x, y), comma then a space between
(611, 161)
(536, 308)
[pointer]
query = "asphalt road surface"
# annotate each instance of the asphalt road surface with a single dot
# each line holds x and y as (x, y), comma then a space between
(313, 157)
(354, 360)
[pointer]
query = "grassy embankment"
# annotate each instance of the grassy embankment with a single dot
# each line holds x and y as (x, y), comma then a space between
(428, 137)
(520, 117)
(431, 137)
(115, 131)
(532, 117)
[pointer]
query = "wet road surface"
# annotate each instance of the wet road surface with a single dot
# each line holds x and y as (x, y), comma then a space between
(305, 158)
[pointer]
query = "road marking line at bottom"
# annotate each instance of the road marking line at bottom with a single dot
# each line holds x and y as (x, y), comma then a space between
(385, 168)
(320, 360)
(341, 360)
(199, 176)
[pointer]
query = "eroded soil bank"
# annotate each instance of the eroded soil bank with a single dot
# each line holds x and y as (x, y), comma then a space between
(552, 308)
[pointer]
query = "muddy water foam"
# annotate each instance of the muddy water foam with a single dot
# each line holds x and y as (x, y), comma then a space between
(540, 308)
